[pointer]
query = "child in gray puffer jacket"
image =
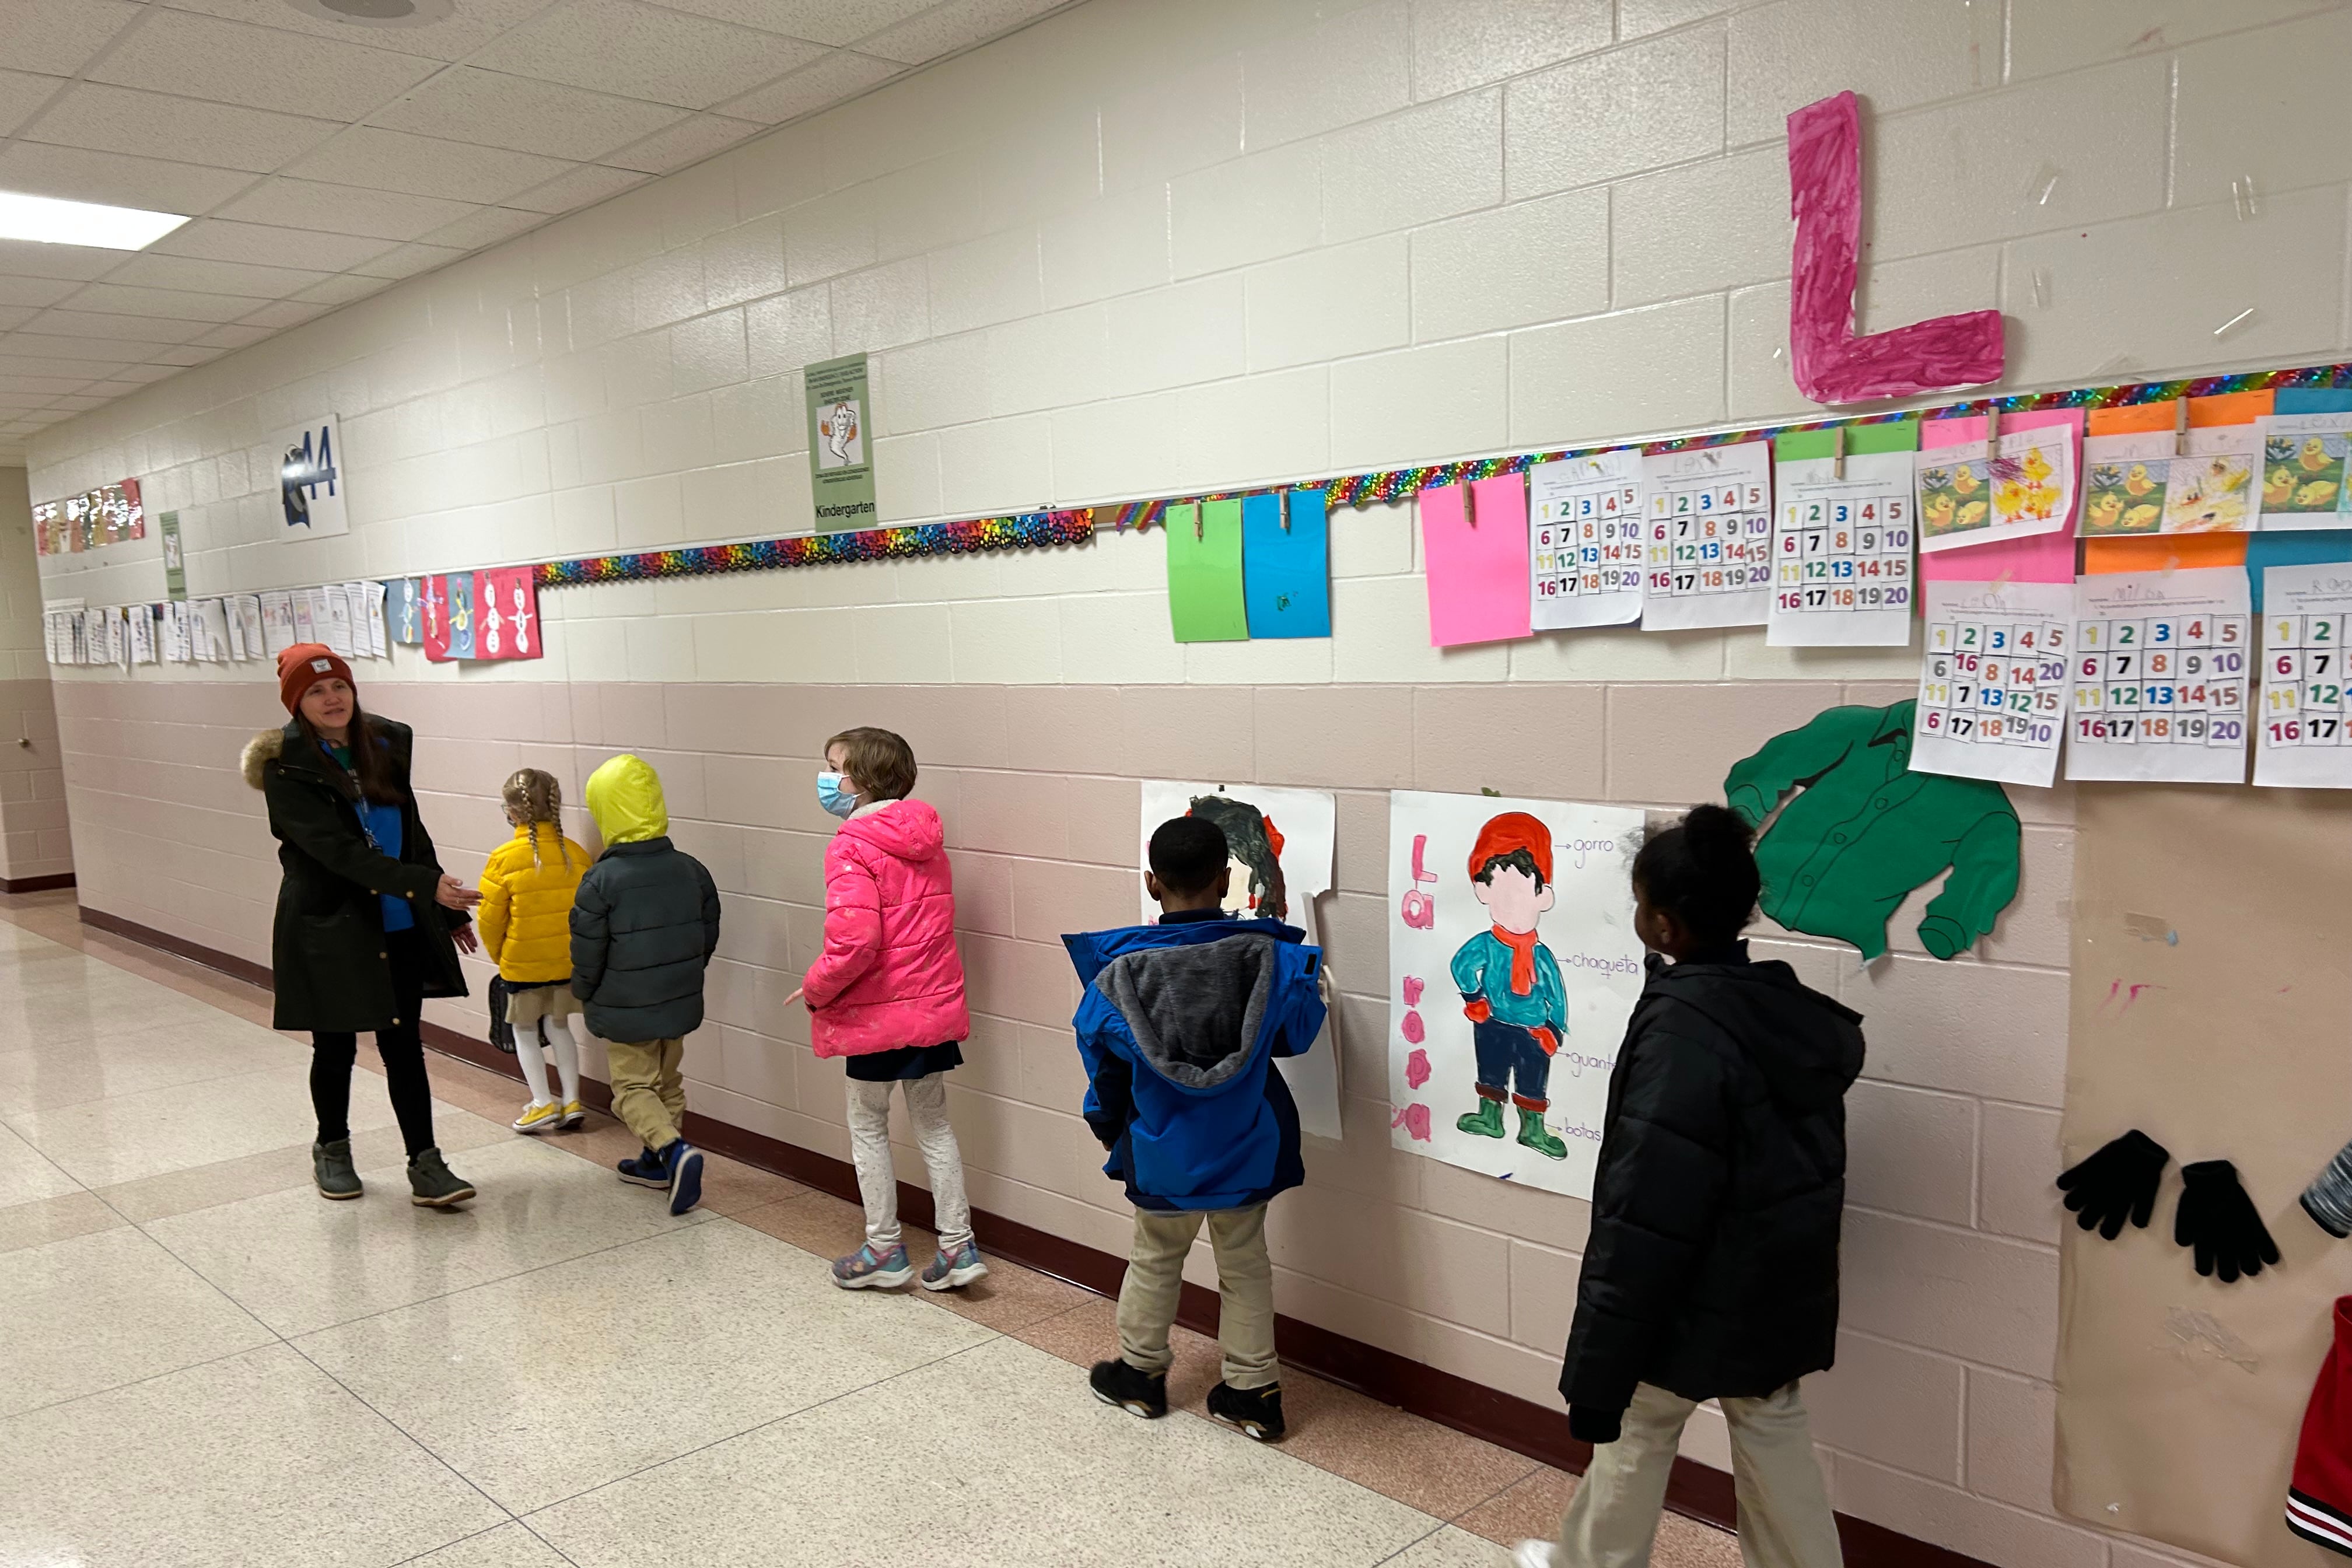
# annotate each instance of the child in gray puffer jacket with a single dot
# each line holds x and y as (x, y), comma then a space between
(643, 925)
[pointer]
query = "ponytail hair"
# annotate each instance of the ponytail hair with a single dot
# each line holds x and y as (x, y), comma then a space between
(1702, 872)
(533, 796)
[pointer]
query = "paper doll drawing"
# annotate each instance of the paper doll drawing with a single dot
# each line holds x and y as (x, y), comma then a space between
(1256, 845)
(1510, 984)
(839, 427)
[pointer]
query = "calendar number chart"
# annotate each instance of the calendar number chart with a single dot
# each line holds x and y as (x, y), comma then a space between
(2158, 676)
(1585, 541)
(1708, 519)
(1844, 573)
(1993, 682)
(2299, 716)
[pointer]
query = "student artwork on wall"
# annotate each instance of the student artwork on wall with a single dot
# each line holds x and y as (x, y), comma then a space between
(1205, 600)
(2299, 740)
(1586, 564)
(2158, 675)
(1281, 842)
(1513, 967)
(2303, 471)
(2018, 485)
(1710, 525)
(1863, 831)
(1993, 680)
(408, 611)
(508, 604)
(311, 484)
(1843, 538)
(1286, 563)
(1474, 539)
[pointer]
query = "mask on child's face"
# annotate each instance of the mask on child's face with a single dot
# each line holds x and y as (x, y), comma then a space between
(833, 794)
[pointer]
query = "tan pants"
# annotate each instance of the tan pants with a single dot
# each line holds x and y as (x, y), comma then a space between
(648, 1091)
(1784, 1511)
(1155, 1274)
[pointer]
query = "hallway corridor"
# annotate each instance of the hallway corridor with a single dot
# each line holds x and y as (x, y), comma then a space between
(206, 1364)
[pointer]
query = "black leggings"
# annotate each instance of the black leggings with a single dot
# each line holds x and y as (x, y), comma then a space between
(402, 1046)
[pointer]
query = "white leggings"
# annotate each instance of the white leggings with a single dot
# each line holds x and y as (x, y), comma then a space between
(534, 1066)
(877, 1183)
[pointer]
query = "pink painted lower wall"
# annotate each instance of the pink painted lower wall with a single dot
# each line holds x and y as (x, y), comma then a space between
(1937, 1420)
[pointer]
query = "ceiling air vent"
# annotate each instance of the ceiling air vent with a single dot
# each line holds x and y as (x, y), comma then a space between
(376, 13)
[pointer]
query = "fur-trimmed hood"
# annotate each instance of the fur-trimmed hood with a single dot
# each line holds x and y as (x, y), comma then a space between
(259, 752)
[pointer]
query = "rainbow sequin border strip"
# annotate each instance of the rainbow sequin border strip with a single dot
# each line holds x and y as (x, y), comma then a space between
(1027, 531)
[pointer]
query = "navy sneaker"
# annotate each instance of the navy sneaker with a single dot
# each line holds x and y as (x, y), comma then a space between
(647, 1171)
(683, 1163)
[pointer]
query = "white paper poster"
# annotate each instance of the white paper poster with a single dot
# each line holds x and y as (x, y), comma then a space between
(1281, 841)
(142, 633)
(1513, 968)
(118, 638)
(1841, 553)
(178, 647)
(310, 489)
(2299, 730)
(2160, 664)
(1585, 531)
(2303, 471)
(199, 640)
(336, 631)
(371, 613)
(310, 615)
(1982, 493)
(1992, 681)
(278, 631)
(213, 616)
(1709, 526)
(2211, 490)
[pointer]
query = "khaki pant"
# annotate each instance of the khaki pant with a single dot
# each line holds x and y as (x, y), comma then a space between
(1784, 1511)
(648, 1091)
(1155, 1274)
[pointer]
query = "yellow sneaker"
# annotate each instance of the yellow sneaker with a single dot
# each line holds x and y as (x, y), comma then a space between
(574, 1114)
(540, 1118)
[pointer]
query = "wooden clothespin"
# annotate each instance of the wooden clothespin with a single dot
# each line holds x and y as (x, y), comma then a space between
(1837, 452)
(1200, 519)
(1993, 428)
(1290, 499)
(1469, 500)
(2180, 427)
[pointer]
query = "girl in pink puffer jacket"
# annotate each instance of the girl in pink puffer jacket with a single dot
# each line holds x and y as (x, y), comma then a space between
(888, 994)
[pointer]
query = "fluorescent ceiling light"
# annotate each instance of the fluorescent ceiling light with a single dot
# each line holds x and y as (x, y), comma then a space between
(54, 222)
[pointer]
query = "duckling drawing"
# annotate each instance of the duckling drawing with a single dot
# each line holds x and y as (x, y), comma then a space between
(1938, 514)
(2137, 482)
(1971, 515)
(2278, 486)
(2313, 455)
(1965, 482)
(2106, 510)
(2319, 495)
(2035, 466)
(2141, 518)
(2009, 497)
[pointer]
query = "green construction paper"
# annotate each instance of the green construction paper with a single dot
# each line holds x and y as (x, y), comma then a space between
(1204, 572)
(1865, 831)
(1888, 435)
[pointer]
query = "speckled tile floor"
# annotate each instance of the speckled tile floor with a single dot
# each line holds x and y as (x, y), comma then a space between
(209, 1366)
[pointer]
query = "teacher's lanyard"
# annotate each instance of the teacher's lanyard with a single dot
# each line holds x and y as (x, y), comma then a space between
(358, 797)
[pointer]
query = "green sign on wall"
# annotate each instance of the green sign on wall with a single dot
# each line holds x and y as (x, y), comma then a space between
(175, 562)
(841, 460)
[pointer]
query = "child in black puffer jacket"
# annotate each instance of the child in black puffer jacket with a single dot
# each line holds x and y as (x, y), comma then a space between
(1712, 1269)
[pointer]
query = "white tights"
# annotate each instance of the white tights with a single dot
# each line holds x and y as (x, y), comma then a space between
(534, 1065)
(878, 1181)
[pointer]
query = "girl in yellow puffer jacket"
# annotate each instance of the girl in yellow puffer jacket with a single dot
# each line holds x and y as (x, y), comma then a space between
(525, 918)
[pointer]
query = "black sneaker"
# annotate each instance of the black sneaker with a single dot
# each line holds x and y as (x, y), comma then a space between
(1137, 1391)
(1257, 1412)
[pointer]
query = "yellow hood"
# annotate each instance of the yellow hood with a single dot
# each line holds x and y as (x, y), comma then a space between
(624, 796)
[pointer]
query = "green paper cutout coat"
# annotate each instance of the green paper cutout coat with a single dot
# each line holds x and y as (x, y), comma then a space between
(1867, 831)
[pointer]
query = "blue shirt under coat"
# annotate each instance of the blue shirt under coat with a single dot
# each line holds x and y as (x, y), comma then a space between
(384, 825)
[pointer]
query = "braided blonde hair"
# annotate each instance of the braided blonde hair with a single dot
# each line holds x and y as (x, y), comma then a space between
(532, 797)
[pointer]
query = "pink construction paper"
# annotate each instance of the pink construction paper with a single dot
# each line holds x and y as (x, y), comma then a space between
(2045, 557)
(1478, 565)
(1829, 362)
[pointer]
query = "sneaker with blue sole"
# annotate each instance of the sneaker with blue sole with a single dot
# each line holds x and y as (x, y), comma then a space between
(683, 1162)
(954, 1270)
(867, 1269)
(646, 1170)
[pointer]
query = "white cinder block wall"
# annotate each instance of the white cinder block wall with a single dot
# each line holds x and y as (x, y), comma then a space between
(33, 839)
(1143, 247)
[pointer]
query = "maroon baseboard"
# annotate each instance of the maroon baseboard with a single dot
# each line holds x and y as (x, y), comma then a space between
(1537, 1431)
(36, 884)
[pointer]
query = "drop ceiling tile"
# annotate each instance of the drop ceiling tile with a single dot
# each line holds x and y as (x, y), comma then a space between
(59, 37)
(586, 183)
(635, 51)
(106, 351)
(687, 142)
(15, 316)
(35, 292)
(340, 289)
(21, 92)
(116, 387)
(485, 226)
(80, 173)
(825, 21)
(126, 328)
(839, 75)
(343, 209)
(180, 303)
(74, 402)
(473, 24)
(235, 336)
(260, 68)
(27, 258)
(215, 240)
(185, 354)
(213, 277)
(523, 115)
(408, 260)
(80, 372)
(46, 385)
(425, 165)
(122, 119)
(958, 25)
(286, 313)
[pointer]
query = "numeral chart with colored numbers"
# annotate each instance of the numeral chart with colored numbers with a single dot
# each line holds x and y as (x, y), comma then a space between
(2300, 718)
(1992, 682)
(1709, 537)
(1585, 528)
(1842, 574)
(2158, 676)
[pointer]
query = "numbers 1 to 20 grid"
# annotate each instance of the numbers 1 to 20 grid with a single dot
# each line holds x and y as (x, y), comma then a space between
(1994, 682)
(1588, 540)
(1844, 552)
(2176, 679)
(1709, 538)
(2302, 681)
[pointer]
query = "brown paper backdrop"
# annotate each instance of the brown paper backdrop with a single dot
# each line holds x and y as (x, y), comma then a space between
(2180, 1398)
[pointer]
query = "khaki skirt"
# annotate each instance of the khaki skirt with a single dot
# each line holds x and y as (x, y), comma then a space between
(526, 1007)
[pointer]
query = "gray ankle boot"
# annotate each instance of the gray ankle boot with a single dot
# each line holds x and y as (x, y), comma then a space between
(432, 1184)
(332, 1168)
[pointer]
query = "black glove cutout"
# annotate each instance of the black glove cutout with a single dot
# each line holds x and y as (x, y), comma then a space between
(2216, 1219)
(2116, 1184)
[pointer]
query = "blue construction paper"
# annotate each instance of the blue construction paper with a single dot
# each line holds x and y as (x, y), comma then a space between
(2299, 547)
(1287, 574)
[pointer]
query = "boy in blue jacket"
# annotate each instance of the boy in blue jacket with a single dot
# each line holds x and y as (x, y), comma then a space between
(1179, 1029)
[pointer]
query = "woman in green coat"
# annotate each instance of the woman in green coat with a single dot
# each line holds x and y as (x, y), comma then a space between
(368, 924)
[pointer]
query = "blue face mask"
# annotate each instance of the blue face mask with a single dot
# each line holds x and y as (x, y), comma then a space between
(833, 794)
